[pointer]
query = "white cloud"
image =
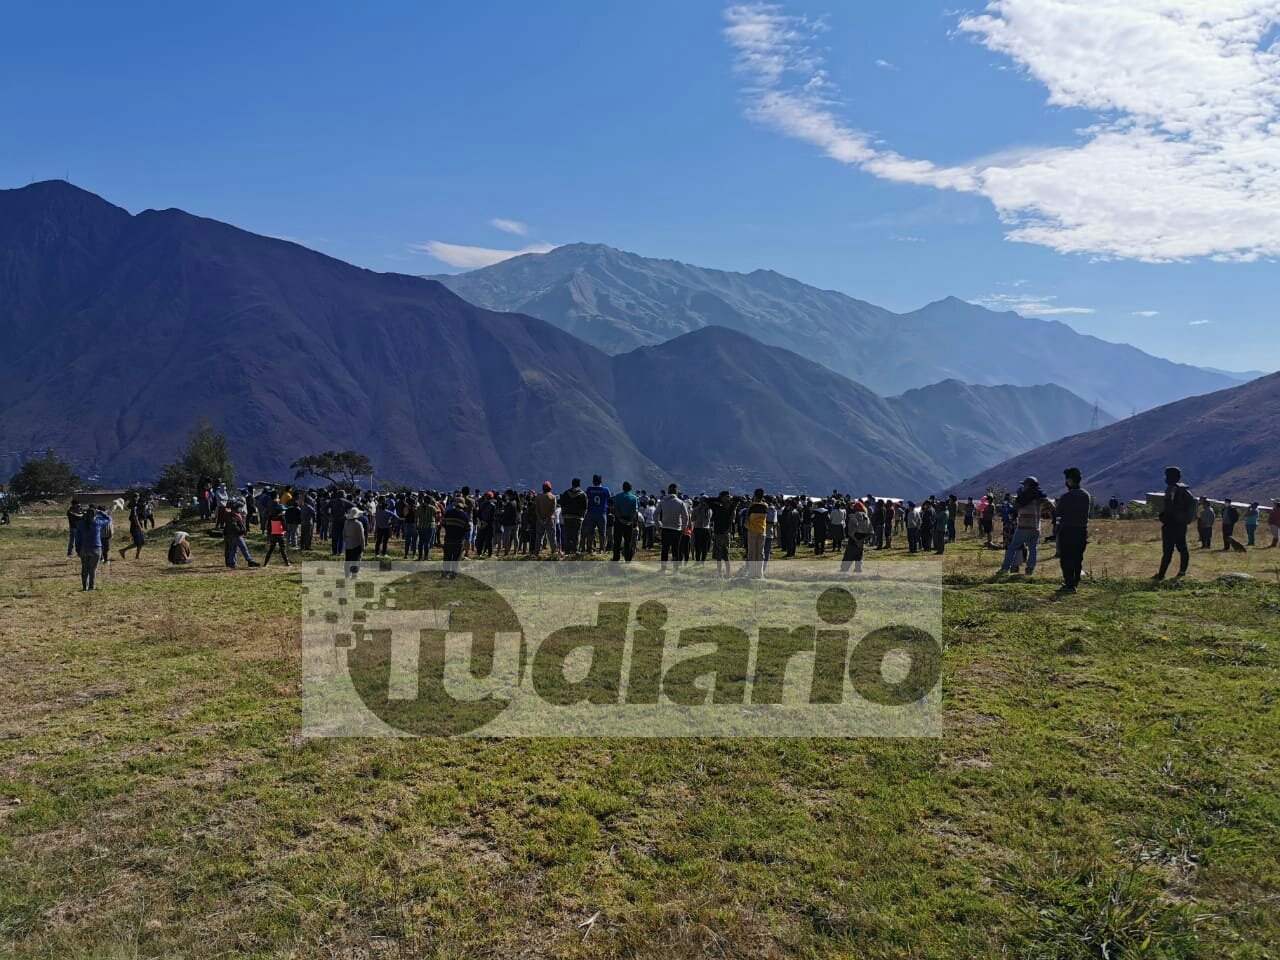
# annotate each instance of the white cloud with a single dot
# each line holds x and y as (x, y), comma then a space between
(885, 65)
(1148, 314)
(472, 258)
(906, 238)
(510, 226)
(1183, 161)
(1199, 323)
(1028, 304)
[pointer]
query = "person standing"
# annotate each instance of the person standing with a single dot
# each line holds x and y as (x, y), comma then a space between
(597, 521)
(818, 518)
(913, 527)
(1029, 505)
(671, 516)
(942, 525)
(89, 541)
(757, 528)
(1273, 521)
(455, 526)
(1251, 523)
(292, 521)
(1072, 510)
(545, 513)
(701, 521)
(1177, 513)
(857, 527)
(307, 518)
(573, 508)
(626, 509)
(354, 537)
(75, 513)
(339, 507)
(1204, 523)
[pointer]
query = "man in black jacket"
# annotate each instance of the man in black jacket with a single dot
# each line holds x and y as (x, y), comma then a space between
(1178, 511)
(573, 507)
(1073, 509)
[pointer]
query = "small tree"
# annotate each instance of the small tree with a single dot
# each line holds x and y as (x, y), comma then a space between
(338, 467)
(206, 457)
(44, 478)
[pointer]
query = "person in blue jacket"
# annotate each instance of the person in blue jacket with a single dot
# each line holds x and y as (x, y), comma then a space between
(89, 542)
(598, 497)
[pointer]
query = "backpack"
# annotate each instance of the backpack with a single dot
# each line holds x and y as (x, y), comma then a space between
(1184, 505)
(859, 523)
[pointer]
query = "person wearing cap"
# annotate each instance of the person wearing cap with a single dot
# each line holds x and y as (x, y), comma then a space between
(1029, 504)
(1178, 512)
(455, 526)
(544, 508)
(1072, 511)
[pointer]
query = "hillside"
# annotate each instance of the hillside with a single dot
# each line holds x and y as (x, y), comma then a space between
(1227, 444)
(968, 427)
(126, 328)
(618, 301)
(718, 408)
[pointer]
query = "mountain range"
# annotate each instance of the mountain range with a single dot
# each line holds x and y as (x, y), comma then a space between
(618, 301)
(123, 329)
(1227, 444)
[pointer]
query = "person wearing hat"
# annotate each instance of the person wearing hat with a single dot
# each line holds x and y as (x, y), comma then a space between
(1028, 505)
(1175, 516)
(354, 538)
(1072, 511)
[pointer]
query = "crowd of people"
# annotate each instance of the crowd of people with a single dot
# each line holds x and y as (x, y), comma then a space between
(356, 525)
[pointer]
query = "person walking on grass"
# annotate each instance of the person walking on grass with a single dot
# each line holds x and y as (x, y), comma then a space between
(1072, 511)
(1230, 517)
(276, 534)
(1178, 512)
(234, 528)
(1029, 504)
(89, 540)
(137, 534)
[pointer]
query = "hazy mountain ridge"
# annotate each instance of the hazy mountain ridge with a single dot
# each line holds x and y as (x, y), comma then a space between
(618, 301)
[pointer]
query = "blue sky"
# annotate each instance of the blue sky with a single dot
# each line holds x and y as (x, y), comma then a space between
(1101, 163)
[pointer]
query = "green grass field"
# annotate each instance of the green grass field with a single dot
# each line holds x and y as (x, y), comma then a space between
(1108, 785)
